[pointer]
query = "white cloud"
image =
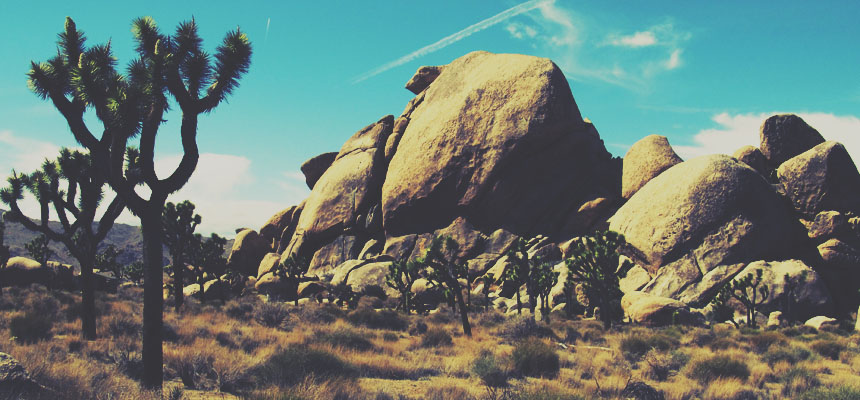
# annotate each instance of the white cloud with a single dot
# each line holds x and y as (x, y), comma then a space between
(737, 130)
(23, 154)
(521, 31)
(638, 39)
(674, 60)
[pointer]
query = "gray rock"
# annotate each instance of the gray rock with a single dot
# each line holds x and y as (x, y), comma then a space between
(785, 136)
(821, 179)
(646, 159)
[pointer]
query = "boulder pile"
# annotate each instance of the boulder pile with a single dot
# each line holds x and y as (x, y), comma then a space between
(493, 148)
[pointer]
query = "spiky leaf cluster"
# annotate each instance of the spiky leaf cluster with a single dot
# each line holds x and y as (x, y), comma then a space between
(594, 263)
(106, 260)
(179, 223)
(401, 275)
(38, 249)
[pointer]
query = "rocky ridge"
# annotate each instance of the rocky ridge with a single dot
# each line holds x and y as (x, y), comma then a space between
(493, 147)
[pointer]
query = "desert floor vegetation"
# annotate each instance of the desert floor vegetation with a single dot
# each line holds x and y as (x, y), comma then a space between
(249, 348)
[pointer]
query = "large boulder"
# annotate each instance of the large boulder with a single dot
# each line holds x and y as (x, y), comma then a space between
(809, 297)
(268, 263)
(423, 78)
(368, 275)
(646, 159)
(248, 250)
(700, 214)
(499, 140)
(22, 271)
(15, 381)
(820, 179)
(785, 136)
(344, 247)
(753, 157)
(278, 225)
(346, 192)
(650, 310)
(830, 224)
(314, 168)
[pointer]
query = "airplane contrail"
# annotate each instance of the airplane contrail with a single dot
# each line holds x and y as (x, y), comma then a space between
(453, 38)
(268, 22)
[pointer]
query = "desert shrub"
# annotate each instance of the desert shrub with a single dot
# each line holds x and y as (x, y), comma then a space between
(792, 355)
(123, 325)
(718, 366)
(832, 393)
(636, 344)
(487, 369)
(344, 337)
(447, 392)
(436, 337)
(390, 337)
(798, 380)
(297, 362)
(418, 328)
(521, 327)
(641, 391)
(443, 316)
(489, 318)
(533, 357)
(226, 339)
(828, 348)
(571, 335)
(271, 314)
(31, 327)
(375, 291)
(319, 314)
(383, 319)
(703, 338)
(661, 365)
(723, 343)
(240, 308)
(762, 341)
(175, 393)
(169, 332)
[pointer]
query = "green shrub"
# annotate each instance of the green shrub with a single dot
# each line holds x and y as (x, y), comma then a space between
(31, 327)
(798, 380)
(793, 355)
(384, 319)
(661, 365)
(486, 368)
(719, 366)
(533, 357)
(390, 337)
(828, 348)
(833, 393)
(636, 344)
(239, 308)
(297, 362)
(436, 337)
(344, 337)
(319, 314)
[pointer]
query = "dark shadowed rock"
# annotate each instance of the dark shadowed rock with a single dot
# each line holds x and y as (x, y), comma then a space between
(753, 157)
(822, 178)
(785, 136)
(399, 247)
(314, 168)
(344, 247)
(829, 224)
(524, 169)
(808, 299)
(646, 159)
(15, 381)
(700, 214)
(423, 78)
(248, 250)
(274, 228)
(22, 271)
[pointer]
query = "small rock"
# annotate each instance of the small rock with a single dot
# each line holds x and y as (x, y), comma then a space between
(774, 320)
(822, 323)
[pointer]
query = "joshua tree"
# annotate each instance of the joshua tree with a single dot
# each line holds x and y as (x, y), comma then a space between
(523, 270)
(106, 261)
(791, 293)
(179, 224)
(746, 290)
(594, 262)
(544, 280)
(4, 250)
(207, 256)
(134, 272)
(443, 271)
(291, 271)
(72, 185)
(133, 106)
(38, 249)
(401, 276)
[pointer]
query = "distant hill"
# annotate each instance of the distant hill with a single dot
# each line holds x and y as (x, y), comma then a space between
(124, 237)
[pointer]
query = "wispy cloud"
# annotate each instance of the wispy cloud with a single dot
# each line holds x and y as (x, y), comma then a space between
(674, 60)
(736, 130)
(638, 39)
(455, 37)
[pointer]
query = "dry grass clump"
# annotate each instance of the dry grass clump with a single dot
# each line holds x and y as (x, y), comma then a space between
(711, 368)
(828, 348)
(637, 343)
(436, 337)
(344, 337)
(378, 319)
(534, 357)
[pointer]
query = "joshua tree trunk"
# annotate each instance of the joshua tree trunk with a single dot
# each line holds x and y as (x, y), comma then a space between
(152, 296)
(88, 303)
(178, 280)
(519, 303)
(464, 316)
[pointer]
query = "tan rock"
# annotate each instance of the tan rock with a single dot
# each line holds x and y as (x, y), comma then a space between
(310, 288)
(519, 170)
(22, 271)
(646, 159)
(248, 250)
(753, 157)
(274, 229)
(650, 310)
(314, 168)
(423, 78)
(822, 323)
(785, 136)
(268, 263)
(636, 278)
(821, 179)
(345, 247)
(370, 274)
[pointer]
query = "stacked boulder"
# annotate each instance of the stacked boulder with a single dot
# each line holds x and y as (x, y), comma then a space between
(493, 148)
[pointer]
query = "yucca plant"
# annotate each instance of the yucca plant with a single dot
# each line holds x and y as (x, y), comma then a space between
(401, 275)
(594, 263)
(291, 270)
(442, 269)
(73, 186)
(132, 106)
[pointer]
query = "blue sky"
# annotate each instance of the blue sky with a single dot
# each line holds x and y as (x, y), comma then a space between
(704, 74)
